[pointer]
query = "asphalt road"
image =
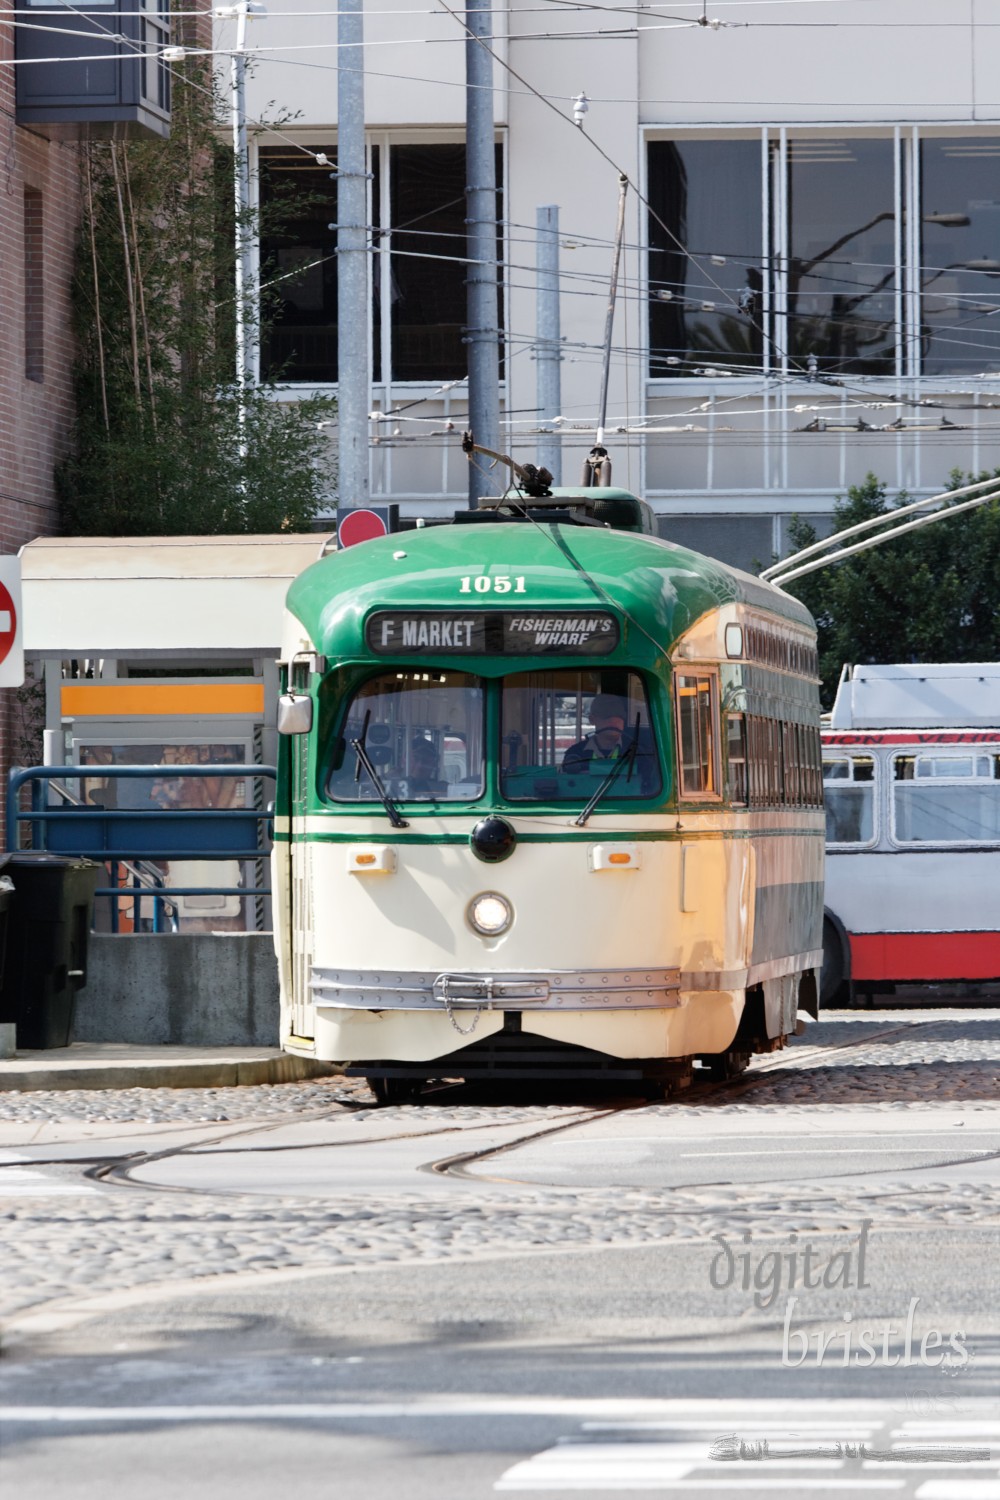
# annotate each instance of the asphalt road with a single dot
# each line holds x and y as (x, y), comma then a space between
(788, 1289)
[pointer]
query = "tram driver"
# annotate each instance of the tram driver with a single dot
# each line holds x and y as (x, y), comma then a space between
(423, 779)
(598, 753)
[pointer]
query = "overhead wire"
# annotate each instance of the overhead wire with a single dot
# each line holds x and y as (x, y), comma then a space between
(693, 259)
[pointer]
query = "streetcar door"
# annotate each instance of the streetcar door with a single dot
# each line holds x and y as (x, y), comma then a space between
(301, 879)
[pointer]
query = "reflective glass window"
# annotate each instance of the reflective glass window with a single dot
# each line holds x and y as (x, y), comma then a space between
(849, 797)
(960, 255)
(841, 265)
(563, 733)
(423, 287)
(705, 276)
(940, 799)
(298, 264)
(696, 733)
(736, 757)
(422, 733)
(429, 296)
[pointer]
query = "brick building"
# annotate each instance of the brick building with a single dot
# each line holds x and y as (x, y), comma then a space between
(40, 200)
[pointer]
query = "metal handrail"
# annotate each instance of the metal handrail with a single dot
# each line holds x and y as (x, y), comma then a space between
(148, 880)
(21, 776)
(146, 876)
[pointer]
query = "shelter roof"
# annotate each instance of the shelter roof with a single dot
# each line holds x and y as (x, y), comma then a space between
(120, 596)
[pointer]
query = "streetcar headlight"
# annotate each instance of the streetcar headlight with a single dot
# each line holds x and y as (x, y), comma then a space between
(490, 914)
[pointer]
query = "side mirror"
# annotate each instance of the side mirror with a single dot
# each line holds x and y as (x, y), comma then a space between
(295, 714)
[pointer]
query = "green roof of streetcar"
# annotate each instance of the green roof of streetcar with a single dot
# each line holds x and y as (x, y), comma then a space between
(660, 587)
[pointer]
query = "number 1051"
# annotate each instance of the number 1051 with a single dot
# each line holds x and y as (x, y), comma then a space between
(492, 583)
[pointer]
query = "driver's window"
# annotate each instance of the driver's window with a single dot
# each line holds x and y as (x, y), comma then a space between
(562, 733)
(422, 733)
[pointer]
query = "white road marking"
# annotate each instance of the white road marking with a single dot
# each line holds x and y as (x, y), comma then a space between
(843, 1151)
(25, 1182)
(959, 1489)
(645, 1457)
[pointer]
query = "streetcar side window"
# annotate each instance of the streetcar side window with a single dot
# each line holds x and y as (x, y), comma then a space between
(422, 733)
(563, 733)
(697, 715)
(849, 795)
(736, 758)
(946, 799)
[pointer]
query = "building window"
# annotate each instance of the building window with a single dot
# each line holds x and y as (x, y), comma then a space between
(841, 277)
(418, 268)
(960, 255)
(704, 255)
(298, 265)
(853, 255)
(34, 284)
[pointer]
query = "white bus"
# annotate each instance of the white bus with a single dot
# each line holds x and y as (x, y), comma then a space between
(911, 781)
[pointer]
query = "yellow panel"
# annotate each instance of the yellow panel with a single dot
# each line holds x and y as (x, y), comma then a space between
(121, 700)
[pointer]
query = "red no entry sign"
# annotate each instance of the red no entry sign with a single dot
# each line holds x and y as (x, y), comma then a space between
(359, 526)
(8, 622)
(11, 638)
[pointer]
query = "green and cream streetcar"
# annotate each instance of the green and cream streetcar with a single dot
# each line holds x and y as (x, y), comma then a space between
(549, 803)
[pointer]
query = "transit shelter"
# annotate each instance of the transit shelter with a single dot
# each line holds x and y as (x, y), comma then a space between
(162, 651)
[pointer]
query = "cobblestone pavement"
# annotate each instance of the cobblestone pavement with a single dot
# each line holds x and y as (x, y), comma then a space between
(918, 1065)
(116, 1238)
(114, 1242)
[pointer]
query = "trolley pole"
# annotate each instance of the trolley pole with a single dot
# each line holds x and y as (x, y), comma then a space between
(353, 394)
(482, 334)
(547, 339)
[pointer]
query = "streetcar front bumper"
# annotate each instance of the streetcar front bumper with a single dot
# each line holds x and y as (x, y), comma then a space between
(554, 989)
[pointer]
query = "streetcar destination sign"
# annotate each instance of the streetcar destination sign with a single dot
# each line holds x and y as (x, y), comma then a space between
(491, 633)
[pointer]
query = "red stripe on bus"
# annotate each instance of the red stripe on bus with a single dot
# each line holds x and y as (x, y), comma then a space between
(925, 955)
(911, 737)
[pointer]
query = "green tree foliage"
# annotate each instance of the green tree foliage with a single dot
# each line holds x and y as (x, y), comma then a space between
(164, 442)
(932, 595)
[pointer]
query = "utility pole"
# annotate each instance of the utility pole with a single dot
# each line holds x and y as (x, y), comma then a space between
(547, 338)
(353, 302)
(482, 335)
(240, 13)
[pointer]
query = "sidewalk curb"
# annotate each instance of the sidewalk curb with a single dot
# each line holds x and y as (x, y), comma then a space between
(37, 1071)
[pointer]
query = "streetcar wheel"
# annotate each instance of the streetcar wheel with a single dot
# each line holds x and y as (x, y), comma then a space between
(723, 1065)
(394, 1090)
(833, 977)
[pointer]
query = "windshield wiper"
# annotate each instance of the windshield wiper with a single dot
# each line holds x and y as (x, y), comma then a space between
(358, 746)
(628, 759)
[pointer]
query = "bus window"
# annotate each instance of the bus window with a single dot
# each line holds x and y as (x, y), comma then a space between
(696, 738)
(424, 738)
(561, 731)
(849, 796)
(946, 799)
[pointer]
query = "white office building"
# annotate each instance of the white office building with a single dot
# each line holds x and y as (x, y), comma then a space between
(810, 279)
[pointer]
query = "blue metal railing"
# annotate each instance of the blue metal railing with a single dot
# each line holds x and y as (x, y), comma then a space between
(134, 836)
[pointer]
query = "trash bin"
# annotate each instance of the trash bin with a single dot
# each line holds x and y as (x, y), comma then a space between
(6, 896)
(51, 909)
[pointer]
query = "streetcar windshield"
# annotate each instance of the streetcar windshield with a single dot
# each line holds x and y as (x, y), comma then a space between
(563, 733)
(422, 733)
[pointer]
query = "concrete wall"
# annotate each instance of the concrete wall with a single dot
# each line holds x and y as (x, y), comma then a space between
(197, 990)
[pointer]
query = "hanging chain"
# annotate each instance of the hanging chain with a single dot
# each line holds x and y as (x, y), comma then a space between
(462, 1030)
